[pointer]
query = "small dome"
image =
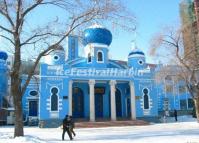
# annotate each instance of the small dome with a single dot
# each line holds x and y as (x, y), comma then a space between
(136, 52)
(97, 34)
(3, 55)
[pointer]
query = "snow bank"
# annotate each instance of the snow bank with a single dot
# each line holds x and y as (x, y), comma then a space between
(178, 132)
(6, 138)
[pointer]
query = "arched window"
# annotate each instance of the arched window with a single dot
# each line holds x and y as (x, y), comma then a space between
(100, 56)
(146, 98)
(89, 57)
(54, 99)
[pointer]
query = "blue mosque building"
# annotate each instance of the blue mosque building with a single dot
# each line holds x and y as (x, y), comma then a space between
(94, 87)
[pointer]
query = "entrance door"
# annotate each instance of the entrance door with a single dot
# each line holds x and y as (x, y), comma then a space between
(118, 101)
(128, 106)
(33, 108)
(78, 103)
(99, 92)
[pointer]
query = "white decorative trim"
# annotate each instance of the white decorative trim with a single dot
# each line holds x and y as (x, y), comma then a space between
(32, 95)
(70, 97)
(55, 84)
(136, 56)
(149, 100)
(113, 82)
(54, 114)
(57, 97)
(97, 45)
(92, 99)
(32, 98)
(113, 105)
(132, 98)
(91, 82)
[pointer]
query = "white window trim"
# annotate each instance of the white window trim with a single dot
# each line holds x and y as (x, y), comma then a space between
(57, 99)
(148, 97)
(102, 56)
(32, 95)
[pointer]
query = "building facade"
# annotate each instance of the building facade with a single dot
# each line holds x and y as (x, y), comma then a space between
(95, 87)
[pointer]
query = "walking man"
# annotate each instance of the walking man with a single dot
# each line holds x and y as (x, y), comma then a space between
(175, 115)
(72, 125)
(66, 127)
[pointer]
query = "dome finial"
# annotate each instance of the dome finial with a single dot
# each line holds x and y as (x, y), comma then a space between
(133, 45)
(133, 41)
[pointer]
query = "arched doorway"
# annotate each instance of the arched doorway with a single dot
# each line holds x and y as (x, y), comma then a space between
(118, 100)
(128, 107)
(99, 92)
(118, 103)
(78, 103)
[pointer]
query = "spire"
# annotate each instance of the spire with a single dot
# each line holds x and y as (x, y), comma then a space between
(133, 45)
(133, 41)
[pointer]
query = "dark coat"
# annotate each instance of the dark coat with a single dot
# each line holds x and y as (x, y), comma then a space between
(66, 123)
(175, 113)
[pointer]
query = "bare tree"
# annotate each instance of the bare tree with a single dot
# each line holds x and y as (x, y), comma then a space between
(169, 43)
(16, 29)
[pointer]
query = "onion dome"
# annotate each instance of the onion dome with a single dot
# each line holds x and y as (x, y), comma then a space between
(3, 55)
(136, 53)
(97, 34)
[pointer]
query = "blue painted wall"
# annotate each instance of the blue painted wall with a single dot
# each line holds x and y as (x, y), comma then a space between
(3, 76)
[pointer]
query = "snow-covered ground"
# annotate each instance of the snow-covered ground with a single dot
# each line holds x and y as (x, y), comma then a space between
(184, 131)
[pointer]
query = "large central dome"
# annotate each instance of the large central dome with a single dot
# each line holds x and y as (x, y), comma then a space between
(97, 34)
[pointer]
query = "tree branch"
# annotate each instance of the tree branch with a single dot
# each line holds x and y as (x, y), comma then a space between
(28, 41)
(5, 37)
(7, 14)
(6, 29)
(53, 47)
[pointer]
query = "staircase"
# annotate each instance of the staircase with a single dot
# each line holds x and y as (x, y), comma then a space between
(98, 124)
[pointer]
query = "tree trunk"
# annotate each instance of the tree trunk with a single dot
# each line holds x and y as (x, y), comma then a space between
(18, 118)
(15, 87)
(196, 101)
